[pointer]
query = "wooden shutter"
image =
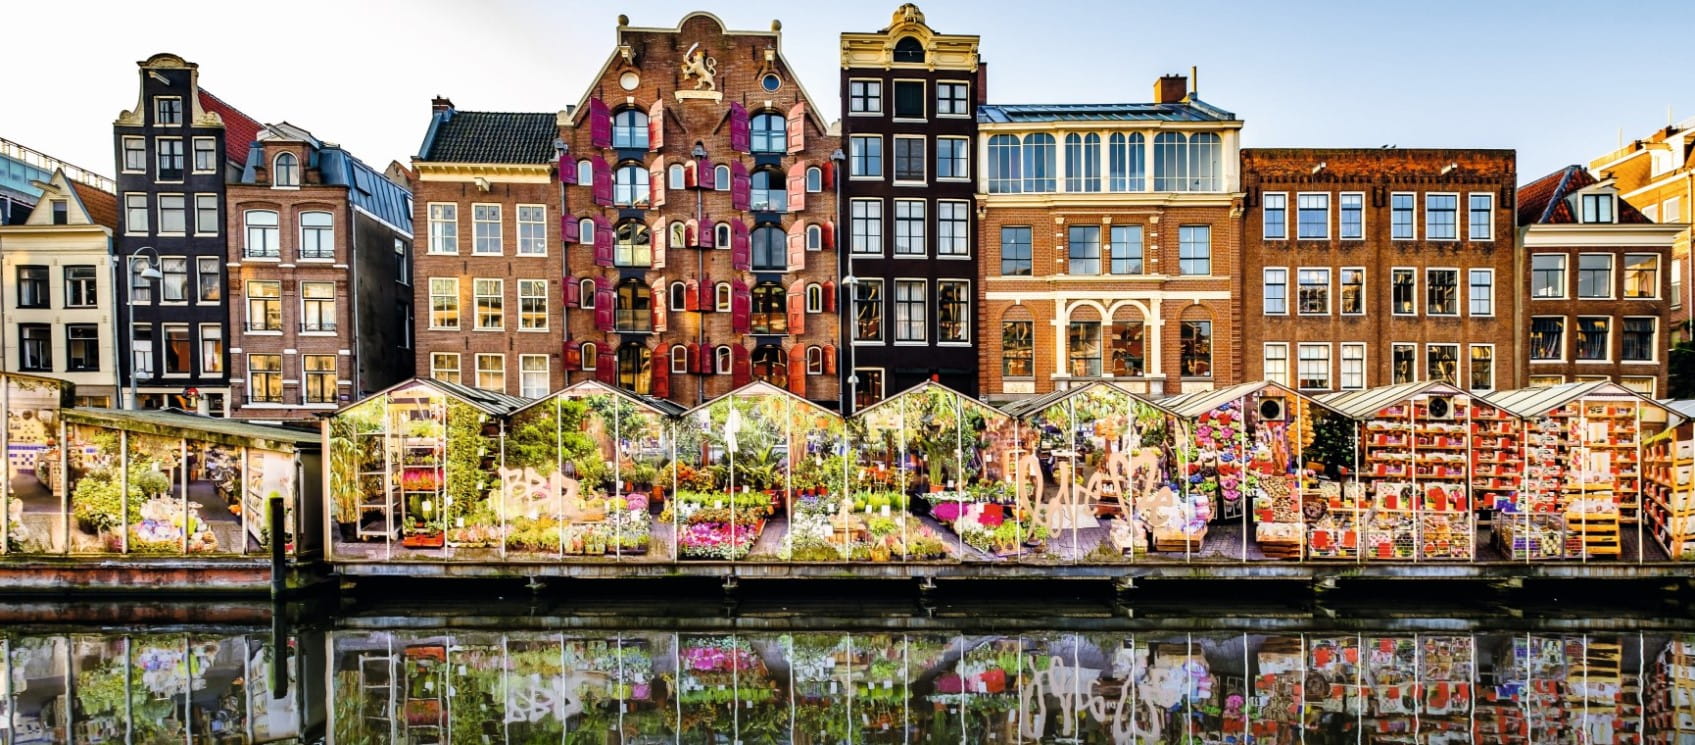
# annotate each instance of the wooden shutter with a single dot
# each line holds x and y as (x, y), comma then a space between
(797, 186)
(691, 175)
(567, 169)
(570, 291)
(741, 308)
(660, 303)
(829, 175)
(606, 366)
(568, 229)
(708, 301)
(706, 175)
(740, 186)
(691, 235)
(797, 308)
(660, 238)
(741, 368)
(693, 363)
(660, 365)
(602, 182)
(571, 355)
(656, 125)
(600, 124)
(602, 241)
(797, 128)
(741, 253)
(797, 245)
(829, 296)
(656, 182)
(829, 359)
(739, 139)
(691, 296)
(605, 302)
(829, 237)
(797, 370)
(708, 233)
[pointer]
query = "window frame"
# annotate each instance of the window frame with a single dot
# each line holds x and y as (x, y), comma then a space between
(1577, 345)
(1028, 261)
(201, 211)
(1076, 264)
(160, 172)
(542, 299)
(923, 100)
(1471, 368)
(86, 289)
(1282, 210)
(1301, 361)
(128, 150)
(176, 119)
(960, 225)
(914, 237)
(1076, 349)
(181, 211)
(1471, 292)
(766, 139)
(961, 159)
(1182, 351)
(1026, 354)
(963, 100)
(1653, 340)
(301, 229)
(1137, 262)
(1342, 294)
(1342, 210)
(1429, 273)
(1564, 285)
(1321, 210)
(497, 307)
(480, 371)
(272, 252)
(922, 159)
(1530, 346)
(1612, 290)
(35, 347)
(880, 303)
(1430, 347)
(865, 96)
(307, 375)
(1625, 274)
(1266, 360)
(174, 267)
(1182, 261)
(317, 305)
(1301, 285)
(1595, 199)
(137, 203)
(1488, 234)
(437, 368)
(293, 171)
(964, 301)
(538, 228)
(1265, 290)
(1394, 274)
(1395, 350)
(456, 310)
(195, 150)
(38, 284)
(1411, 214)
(1429, 210)
(1342, 371)
(524, 372)
(449, 235)
(857, 236)
(263, 324)
(89, 360)
(917, 312)
(268, 373)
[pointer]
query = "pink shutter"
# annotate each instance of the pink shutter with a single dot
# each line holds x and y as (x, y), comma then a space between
(797, 309)
(600, 124)
(739, 139)
(656, 182)
(691, 296)
(829, 359)
(741, 308)
(693, 362)
(741, 368)
(705, 174)
(797, 128)
(797, 370)
(741, 254)
(660, 303)
(602, 182)
(602, 241)
(691, 232)
(797, 246)
(708, 303)
(740, 186)
(708, 233)
(691, 175)
(656, 125)
(797, 186)
(567, 229)
(604, 302)
(829, 296)
(661, 366)
(567, 169)
(570, 290)
(661, 239)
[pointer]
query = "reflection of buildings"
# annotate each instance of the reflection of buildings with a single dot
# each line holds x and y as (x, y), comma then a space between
(1109, 240)
(1657, 176)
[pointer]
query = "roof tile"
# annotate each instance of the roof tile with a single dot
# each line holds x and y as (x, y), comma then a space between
(102, 205)
(240, 130)
(492, 137)
(1543, 201)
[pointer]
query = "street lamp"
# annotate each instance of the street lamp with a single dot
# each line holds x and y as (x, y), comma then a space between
(149, 273)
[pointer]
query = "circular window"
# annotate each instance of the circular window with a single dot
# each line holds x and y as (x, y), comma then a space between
(771, 82)
(629, 80)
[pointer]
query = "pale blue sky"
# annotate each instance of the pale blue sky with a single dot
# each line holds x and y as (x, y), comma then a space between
(1527, 75)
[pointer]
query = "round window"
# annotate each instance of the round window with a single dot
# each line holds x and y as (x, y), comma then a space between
(629, 80)
(771, 82)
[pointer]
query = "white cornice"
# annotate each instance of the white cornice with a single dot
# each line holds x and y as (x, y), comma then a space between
(1659, 235)
(1104, 125)
(515, 173)
(1109, 200)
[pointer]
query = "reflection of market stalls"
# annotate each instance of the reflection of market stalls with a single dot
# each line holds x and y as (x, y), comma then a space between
(1668, 486)
(29, 437)
(1583, 467)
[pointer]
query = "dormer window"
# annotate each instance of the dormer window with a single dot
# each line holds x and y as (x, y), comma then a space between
(286, 171)
(167, 111)
(1597, 208)
(908, 49)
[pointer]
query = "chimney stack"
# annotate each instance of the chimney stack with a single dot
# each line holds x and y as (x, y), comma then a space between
(982, 83)
(1171, 89)
(440, 103)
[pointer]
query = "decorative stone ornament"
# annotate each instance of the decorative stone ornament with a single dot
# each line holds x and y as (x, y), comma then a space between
(702, 68)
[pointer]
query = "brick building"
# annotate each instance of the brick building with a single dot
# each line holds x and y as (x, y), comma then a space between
(700, 202)
(909, 99)
(1363, 268)
(1109, 236)
(1656, 175)
(1595, 289)
(319, 278)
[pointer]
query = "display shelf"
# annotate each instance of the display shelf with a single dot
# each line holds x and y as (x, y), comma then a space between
(1669, 715)
(1668, 494)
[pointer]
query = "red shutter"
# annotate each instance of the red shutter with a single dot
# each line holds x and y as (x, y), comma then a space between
(708, 233)
(691, 175)
(606, 366)
(570, 291)
(571, 355)
(708, 303)
(797, 308)
(705, 176)
(693, 361)
(829, 296)
(741, 254)
(797, 245)
(741, 368)
(661, 367)
(567, 229)
(656, 182)
(600, 124)
(602, 182)
(829, 359)
(567, 169)
(691, 296)
(691, 235)
(602, 241)
(829, 235)
(661, 238)
(741, 308)
(660, 302)
(797, 128)
(829, 175)
(797, 370)
(605, 302)
(739, 139)
(797, 186)
(740, 186)
(656, 125)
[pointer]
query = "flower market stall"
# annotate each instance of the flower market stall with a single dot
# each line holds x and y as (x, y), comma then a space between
(1583, 468)
(29, 485)
(1668, 485)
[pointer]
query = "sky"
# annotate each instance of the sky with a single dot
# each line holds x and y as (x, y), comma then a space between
(1533, 76)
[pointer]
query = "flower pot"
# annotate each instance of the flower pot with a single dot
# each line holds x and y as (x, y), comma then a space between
(348, 531)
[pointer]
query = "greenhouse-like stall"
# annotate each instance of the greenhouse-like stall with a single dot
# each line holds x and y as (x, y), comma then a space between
(30, 487)
(1585, 451)
(1262, 461)
(1431, 456)
(1668, 487)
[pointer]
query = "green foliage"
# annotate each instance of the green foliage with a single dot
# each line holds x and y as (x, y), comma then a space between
(467, 481)
(97, 502)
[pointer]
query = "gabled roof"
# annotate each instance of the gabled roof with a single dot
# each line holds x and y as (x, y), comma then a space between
(489, 137)
(490, 402)
(1200, 402)
(1192, 110)
(657, 405)
(761, 388)
(1032, 407)
(101, 205)
(1544, 201)
(240, 130)
(1540, 400)
(1364, 404)
(195, 426)
(924, 386)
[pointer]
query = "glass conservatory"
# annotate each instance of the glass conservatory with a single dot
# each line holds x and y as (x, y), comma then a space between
(30, 506)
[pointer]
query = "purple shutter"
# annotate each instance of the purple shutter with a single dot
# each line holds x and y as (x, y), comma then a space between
(741, 254)
(568, 229)
(739, 139)
(569, 289)
(603, 302)
(740, 186)
(602, 241)
(708, 233)
(600, 124)
(602, 182)
(708, 302)
(567, 169)
(741, 308)
(704, 174)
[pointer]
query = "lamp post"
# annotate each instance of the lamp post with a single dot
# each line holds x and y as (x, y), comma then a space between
(149, 273)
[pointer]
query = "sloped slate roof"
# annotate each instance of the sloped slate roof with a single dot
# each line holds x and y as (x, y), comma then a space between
(490, 137)
(240, 130)
(102, 205)
(1194, 110)
(1543, 201)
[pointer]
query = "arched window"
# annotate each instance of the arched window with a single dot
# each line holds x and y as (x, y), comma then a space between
(722, 235)
(675, 176)
(721, 178)
(261, 234)
(1004, 168)
(1206, 167)
(1171, 162)
(585, 173)
(814, 179)
(815, 298)
(679, 296)
(634, 311)
(635, 372)
(1082, 162)
(679, 234)
(629, 129)
(1127, 162)
(769, 192)
(814, 237)
(908, 49)
(629, 185)
(771, 365)
(679, 359)
(632, 244)
(317, 235)
(722, 297)
(721, 360)
(591, 356)
(585, 231)
(770, 309)
(286, 170)
(814, 360)
(585, 295)
(770, 132)
(1039, 176)
(770, 249)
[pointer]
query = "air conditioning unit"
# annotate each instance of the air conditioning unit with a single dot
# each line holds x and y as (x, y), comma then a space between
(1273, 409)
(1439, 407)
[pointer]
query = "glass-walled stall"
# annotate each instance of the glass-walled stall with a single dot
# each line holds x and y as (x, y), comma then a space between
(1668, 483)
(31, 484)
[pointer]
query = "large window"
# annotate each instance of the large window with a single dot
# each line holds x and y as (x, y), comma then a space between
(770, 132)
(1194, 249)
(1015, 250)
(444, 303)
(317, 235)
(1083, 349)
(1637, 336)
(953, 228)
(1040, 175)
(1314, 367)
(205, 155)
(140, 287)
(1314, 292)
(490, 298)
(532, 375)
(136, 217)
(953, 159)
(1547, 276)
(953, 99)
(1353, 367)
(770, 249)
(1595, 276)
(629, 129)
(141, 349)
(768, 191)
(1402, 217)
(1442, 292)
(1482, 367)
(1005, 174)
(1641, 276)
(1125, 247)
(1480, 219)
(1275, 363)
(169, 157)
(1482, 292)
(532, 230)
(209, 271)
(1403, 359)
(317, 306)
(910, 307)
(632, 244)
(867, 217)
(173, 282)
(868, 310)
(1084, 250)
(771, 365)
(909, 99)
(32, 287)
(1206, 162)
(1276, 290)
(1592, 338)
(173, 214)
(1442, 363)
(444, 228)
(1403, 292)
(909, 158)
(444, 366)
(211, 348)
(1547, 338)
(1351, 224)
(320, 378)
(1127, 162)
(634, 311)
(1129, 353)
(1082, 162)
(953, 312)
(1312, 216)
(1018, 349)
(264, 378)
(909, 227)
(491, 372)
(865, 97)
(264, 305)
(206, 214)
(629, 185)
(865, 159)
(135, 155)
(770, 309)
(1171, 162)
(532, 305)
(262, 234)
(82, 347)
(35, 347)
(81, 287)
(1441, 213)
(1351, 295)
(1196, 338)
(167, 111)
(1274, 215)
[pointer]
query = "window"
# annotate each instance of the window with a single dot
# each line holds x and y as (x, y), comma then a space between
(264, 305)
(1671, 210)
(173, 285)
(1401, 220)
(444, 303)
(262, 234)
(1082, 163)
(952, 99)
(1004, 171)
(1314, 367)
(1275, 216)
(532, 305)
(491, 372)
(135, 155)
(770, 365)
(1442, 292)
(1352, 221)
(317, 306)
(634, 309)
(814, 180)
(814, 298)
(1276, 363)
(1018, 349)
(1171, 162)
(286, 172)
(1039, 171)
(317, 235)
(1641, 276)
(1547, 276)
(1206, 162)
(770, 133)
(1125, 247)
(1313, 292)
(1402, 357)
(1637, 335)
(909, 227)
(1440, 213)
(205, 214)
(953, 159)
(814, 237)
(82, 347)
(135, 213)
(81, 287)
(1084, 254)
(909, 99)
(591, 356)
(1353, 367)
(1129, 355)
(140, 288)
(1126, 162)
(909, 49)
(1480, 223)
(1594, 276)
(532, 230)
(629, 129)
(444, 366)
(769, 309)
(680, 360)
(676, 177)
(61, 212)
(867, 226)
(1442, 363)
(1677, 283)
(1083, 349)
(724, 236)
(1312, 216)
(769, 191)
(1597, 208)
(1482, 295)
(141, 349)
(485, 226)
(629, 185)
(264, 378)
(1276, 290)
(953, 312)
(1546, 338)
(167, 111)
(210, 275)
(868, 310)
(1015, 250)
(1352, 294)
(1591, 338)
(866, 160)
(1482, 367)
(1194, 249)
(723, 297)
(490, 298)
(1403, 292)
(1196, 338)
(632, 244)
(320, 386)
(865, 97)
(444, 228)
(721, 181)
(205, 155)
(909, 158)
(211, 348)
(532, 375)
(173, 214)
(32, 287)
(169, 157)
(770, 249)
(35, 347)
(910, 320)
(953, 228)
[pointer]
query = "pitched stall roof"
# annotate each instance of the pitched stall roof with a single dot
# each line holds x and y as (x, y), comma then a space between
(661, 406)
(1029, 407)
(490, 402)
(240, 130)
(1682, 407)
(761, 388)
(1192, 110)
(1364, 404)
(489, 137)
(1199, 402)
(233, 432)
(1540, 400)
(932, 384)
(1544, 201)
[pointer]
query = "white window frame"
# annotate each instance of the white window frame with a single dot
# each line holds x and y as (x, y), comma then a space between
(136, 202)
(1470, 297)
(1282, 198)
(1265, 286)
(1457, 212)
(127, 150)
(211, 361)
(1460, 362)
(1341, 233)
(1459, 295)
(965, 100)
(1329, 290)
(477, 380)
(451, 221)
(869, 83)
(679, 366)
(165, 330)
(814, 298)
(1393, 311)
(1301, 361)
(476, 304)
(964, 158)
(970, 313)
(1365, 300)
(300, 230)
(1412, 225)
(1565, 276)
(499, 237)
(182, 207)
(1624, 268)
(199, 209)
(1469, 361)
(458, 309)
(1326, 209)
(158, 118)
(1566, 330)
(1653, 342)
(546, 312)
(963, 235)
(539, 225)
(924, 98)
(723, 298)
(853, 147)
(1266, 362)
(194, 154)
(923, 304)
(723, 360)
(159, 152)
(1612, 277)
(297, 176)
(523, 373)
(854, 221)
(1343, 373)
(921, 234)
(1489, 232)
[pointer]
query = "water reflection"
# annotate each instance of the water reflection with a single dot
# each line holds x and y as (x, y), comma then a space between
(816, 688)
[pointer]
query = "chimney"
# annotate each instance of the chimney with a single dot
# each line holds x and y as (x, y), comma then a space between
(982, 83)
(1171, 89)
(441, 103)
